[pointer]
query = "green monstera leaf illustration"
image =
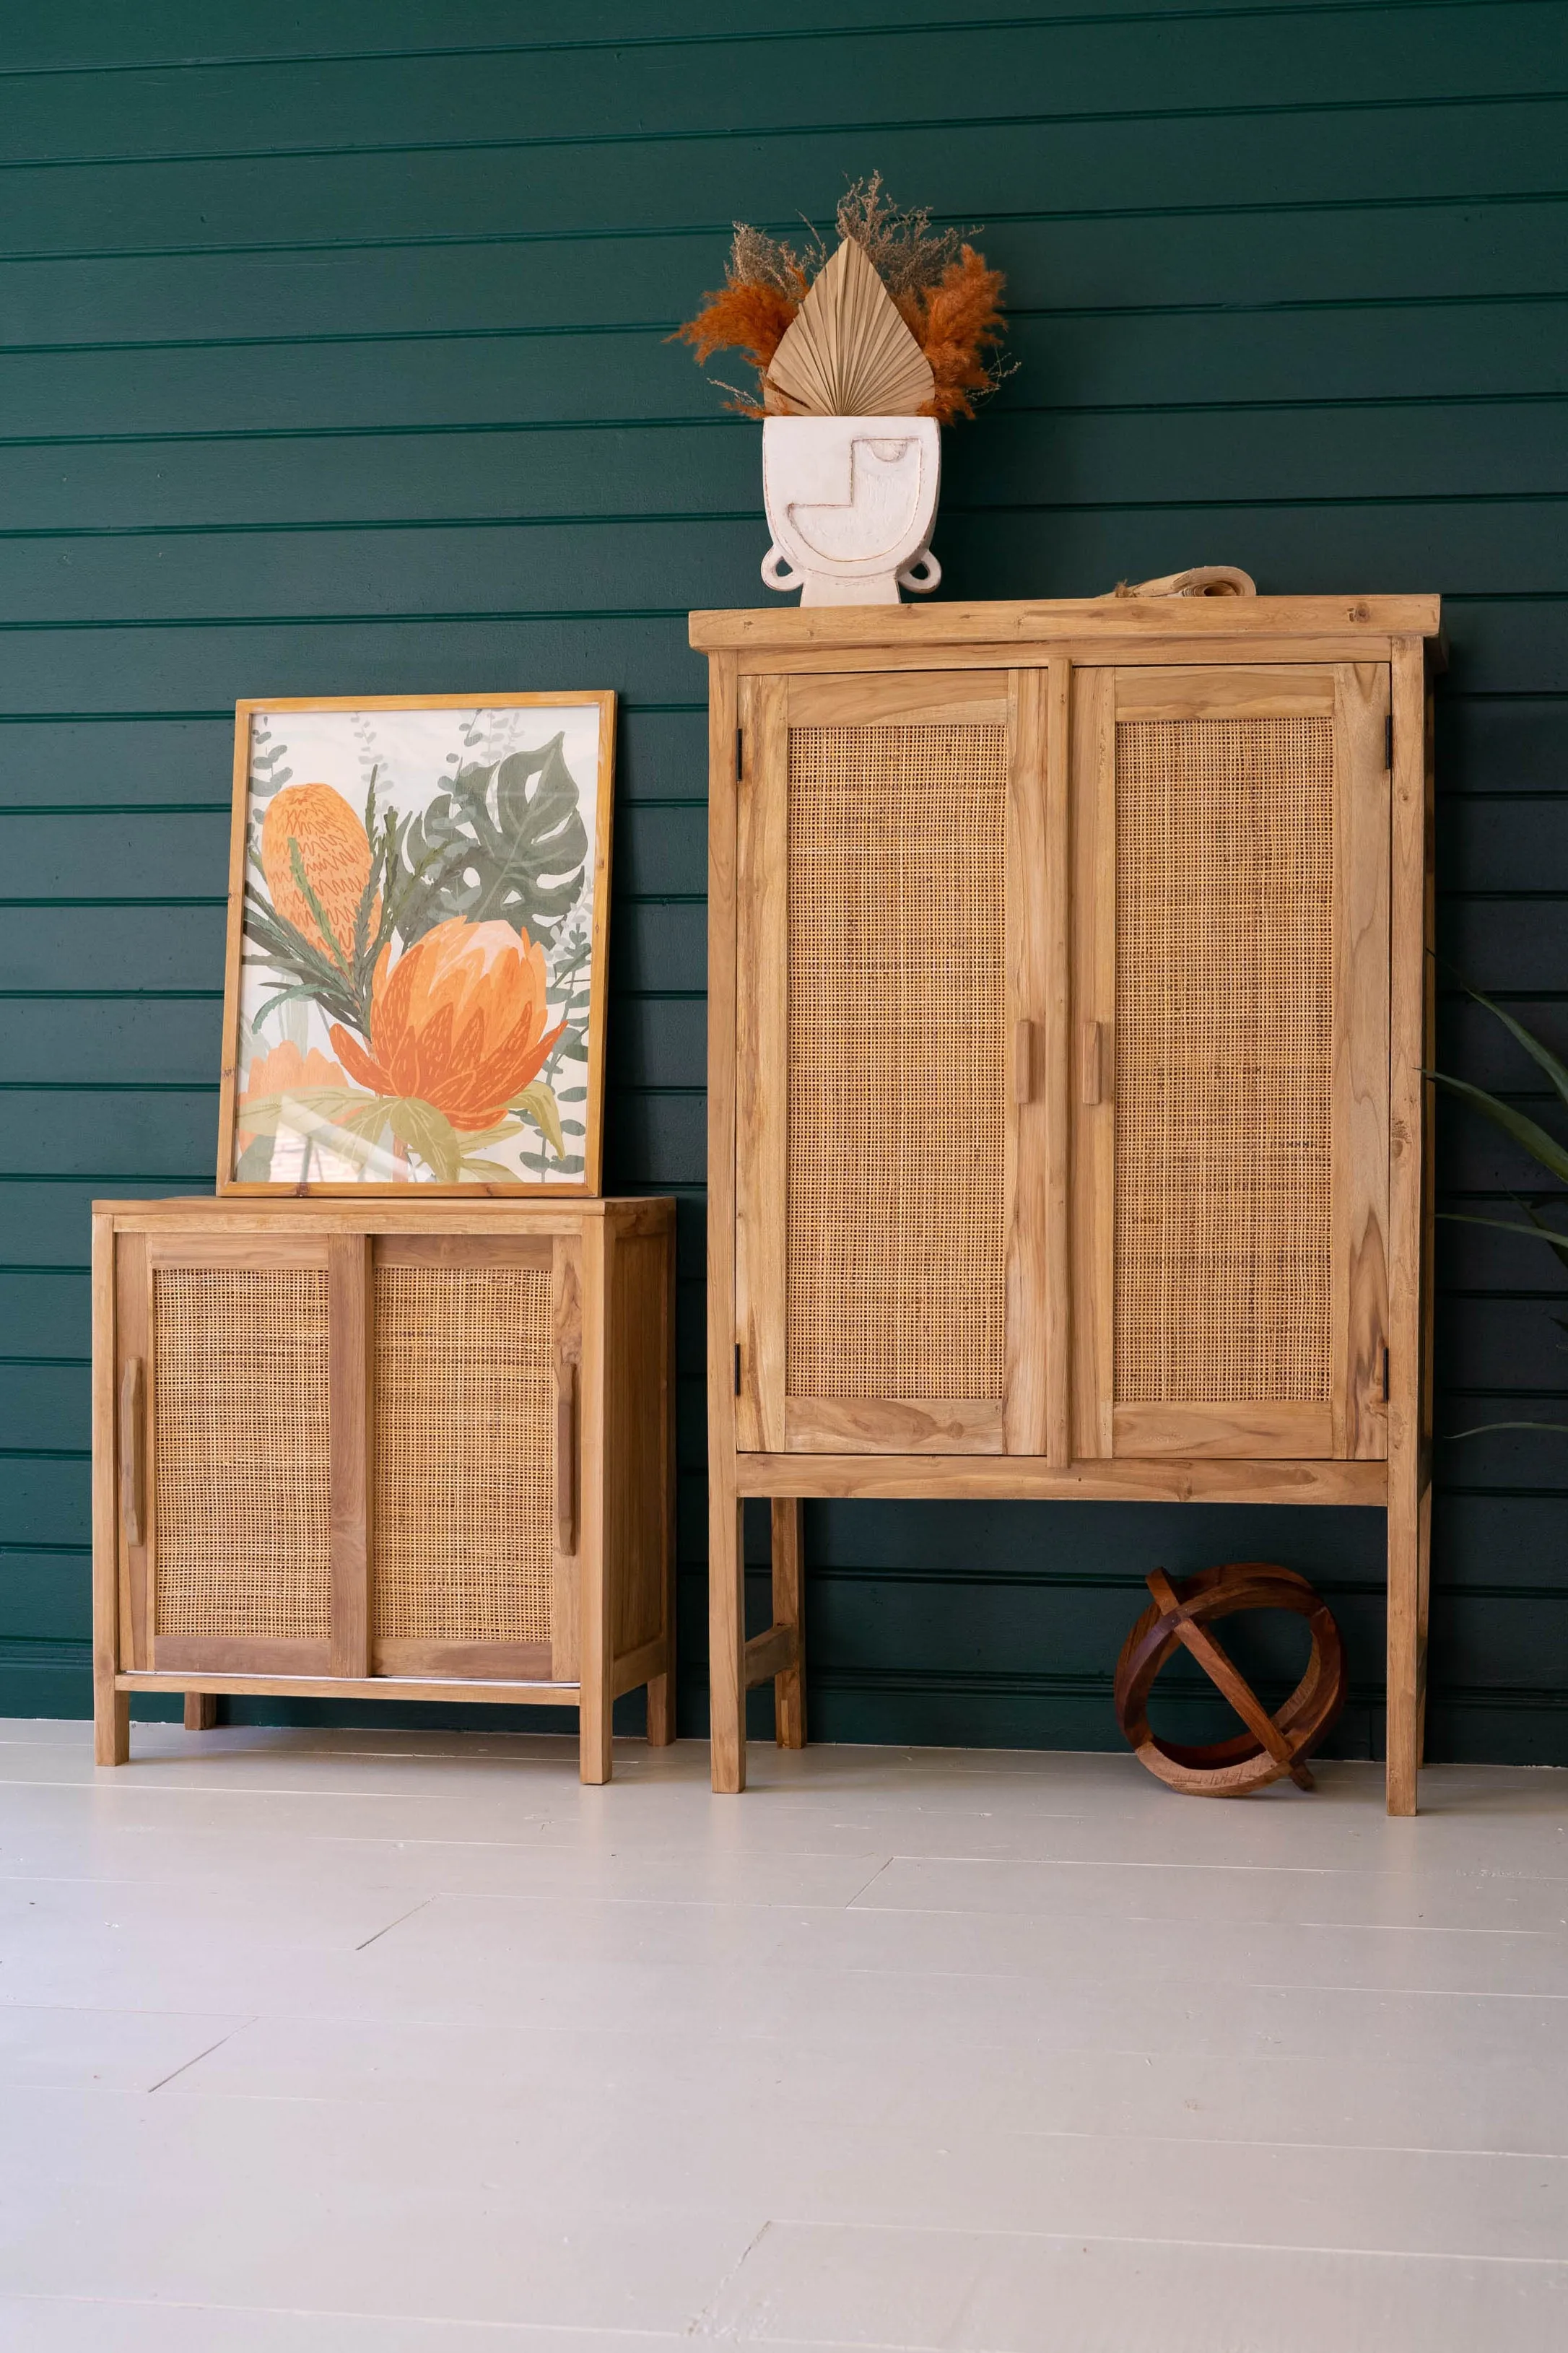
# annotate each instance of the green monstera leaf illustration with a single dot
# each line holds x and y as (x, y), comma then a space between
(492, 850)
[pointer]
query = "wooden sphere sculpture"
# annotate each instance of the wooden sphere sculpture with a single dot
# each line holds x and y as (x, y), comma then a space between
(1272, 1745)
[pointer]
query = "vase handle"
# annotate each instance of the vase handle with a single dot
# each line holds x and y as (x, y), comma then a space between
(911, 578)
(777, 572)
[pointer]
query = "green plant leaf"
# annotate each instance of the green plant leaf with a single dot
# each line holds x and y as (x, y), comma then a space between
(1559, 1429)
(253, 1164)
(1540, 1054)
(1540, 1145)
(536, 1102)
(1537, 1231)
(427, 1131)
(297, 866)
(475, 1165)
(287, 952)
(479, 1139)
(524, 849)
(305, 1109)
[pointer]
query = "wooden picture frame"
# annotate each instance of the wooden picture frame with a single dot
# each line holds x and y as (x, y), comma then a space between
(372, 1045)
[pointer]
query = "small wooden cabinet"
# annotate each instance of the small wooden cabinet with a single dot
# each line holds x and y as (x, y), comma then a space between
(1068, 1007)
(378, 1452)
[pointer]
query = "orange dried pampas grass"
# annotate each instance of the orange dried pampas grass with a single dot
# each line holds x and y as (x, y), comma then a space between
(958, 325)
(952, 306)
(747, 314)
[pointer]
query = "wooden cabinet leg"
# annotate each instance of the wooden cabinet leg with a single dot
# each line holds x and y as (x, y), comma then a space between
(726, 1631)
(789, 1689)
(1409, 1524)
(661, 1688)
(661, 1710)
(201, 1711)
(595, 1760)
(110, 1722)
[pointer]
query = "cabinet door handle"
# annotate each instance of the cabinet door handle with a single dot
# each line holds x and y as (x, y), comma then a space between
(1024, 1062)
(566, 1459)
(1094, 1072)
(133, 1497)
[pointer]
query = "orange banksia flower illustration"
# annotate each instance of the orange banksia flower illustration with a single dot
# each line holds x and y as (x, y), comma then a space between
(335, 854)
(458, 1021)
(285, 1070)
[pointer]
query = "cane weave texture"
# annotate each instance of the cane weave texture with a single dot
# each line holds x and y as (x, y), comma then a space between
(240, 1452)
(1224, 972)
(896, 1097)
(464, 1454)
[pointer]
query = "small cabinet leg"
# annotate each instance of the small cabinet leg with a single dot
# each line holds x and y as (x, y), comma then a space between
(1409, 1523)
(661, 1688)
(661, 1710)
(726, 1633)
(789, 1688)
(201, 1711)
(594, 1753)
(111, 1723)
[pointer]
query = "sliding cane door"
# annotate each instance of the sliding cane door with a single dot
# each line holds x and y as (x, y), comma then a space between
(1231, 989)
(881, 1139)
(475, 1355)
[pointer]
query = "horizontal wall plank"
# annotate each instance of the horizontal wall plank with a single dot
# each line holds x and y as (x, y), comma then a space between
(1068, 551)
(983, 164)
(198, 34)
(204, 664)
(1127, 267)
(436, 459)
(565, 93)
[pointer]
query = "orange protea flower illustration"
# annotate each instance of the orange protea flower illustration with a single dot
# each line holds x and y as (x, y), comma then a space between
(285, 1070)
(458, 1020)
(335, 854)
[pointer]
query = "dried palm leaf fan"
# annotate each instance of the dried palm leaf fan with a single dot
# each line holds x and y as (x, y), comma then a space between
(847, 352)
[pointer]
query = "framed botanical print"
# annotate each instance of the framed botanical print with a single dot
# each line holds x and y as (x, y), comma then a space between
(414, 987)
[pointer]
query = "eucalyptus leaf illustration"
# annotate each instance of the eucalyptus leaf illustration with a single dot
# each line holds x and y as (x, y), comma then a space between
(492, 850)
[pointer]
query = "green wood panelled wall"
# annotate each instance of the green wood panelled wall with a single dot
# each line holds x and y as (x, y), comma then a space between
(333, 358)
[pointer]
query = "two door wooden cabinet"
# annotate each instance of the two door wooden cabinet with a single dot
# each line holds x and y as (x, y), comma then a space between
(368, 1452)
(1067, 1015)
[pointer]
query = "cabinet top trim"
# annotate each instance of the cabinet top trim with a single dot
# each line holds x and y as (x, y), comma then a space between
(1130, 619)
(644, 1213)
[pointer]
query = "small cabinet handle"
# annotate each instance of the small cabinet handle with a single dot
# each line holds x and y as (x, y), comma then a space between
(1094, 1062)
(133, 1497)
(567, 1457)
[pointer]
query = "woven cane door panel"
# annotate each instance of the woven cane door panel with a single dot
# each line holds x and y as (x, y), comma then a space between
(1224, 1000)
(896, 1127)
(240, 1453)
(464, 1454)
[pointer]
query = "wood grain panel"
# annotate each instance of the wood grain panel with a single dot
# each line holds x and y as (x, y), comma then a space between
(1361, 1089)
(762, 1065)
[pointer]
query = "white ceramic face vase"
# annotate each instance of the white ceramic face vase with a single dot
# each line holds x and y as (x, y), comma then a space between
(851, 503)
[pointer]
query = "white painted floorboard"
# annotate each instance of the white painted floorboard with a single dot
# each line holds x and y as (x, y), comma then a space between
(381, 2043)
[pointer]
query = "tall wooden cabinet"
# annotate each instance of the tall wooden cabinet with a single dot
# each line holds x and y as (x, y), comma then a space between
(380, 1452)
(1067, 1001)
